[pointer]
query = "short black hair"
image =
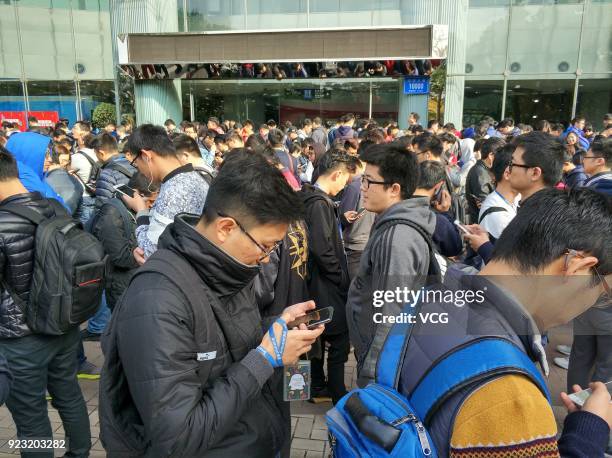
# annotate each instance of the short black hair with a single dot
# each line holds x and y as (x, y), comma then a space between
(56, 150)
(429, 143)
(430, 174)
(150, 137)
(253, 191)
(8, 165)
(490, 146)
(275, 137)
(578, 118)
(502, 158)
(335, 159)
(104, 141)
(169, 122)
(508, 122)
(83, 125)
(431, 122)
(183, 143)
(416, 116)
(142, 184)
(542, 125)
(396, 165)
(602, 147)
(447, 137)
(214, 119)
(552, 221)
(542, 151)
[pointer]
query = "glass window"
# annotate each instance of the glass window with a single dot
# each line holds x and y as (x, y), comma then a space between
(487, 30)
(482, 98)
(94, 93)
(214, 15)
(594, 100)
(92, 34)
(10, 66)
(54, 96)
(12, 103)
(530, 100)
(544, 37)
(46, 38)
(276, 14)
(341, 13)
(596, 51)
(385, 101)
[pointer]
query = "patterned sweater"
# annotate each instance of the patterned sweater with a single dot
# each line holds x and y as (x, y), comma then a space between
(509, 417)
(182, 191)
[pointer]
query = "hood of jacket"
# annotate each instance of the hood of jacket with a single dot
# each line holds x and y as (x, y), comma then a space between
(311, 193)
(415, 209)
(345, 132)
(222, 273)
(30, 149)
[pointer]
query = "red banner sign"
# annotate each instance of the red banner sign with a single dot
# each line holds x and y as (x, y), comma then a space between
(45, 118)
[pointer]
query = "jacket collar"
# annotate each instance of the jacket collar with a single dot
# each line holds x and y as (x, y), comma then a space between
(23, 197)
(222, 273)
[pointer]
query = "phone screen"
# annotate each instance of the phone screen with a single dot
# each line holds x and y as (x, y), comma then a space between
(124, 189)
(361, 211)
(313, 319)
(462, 228)
(581, 397)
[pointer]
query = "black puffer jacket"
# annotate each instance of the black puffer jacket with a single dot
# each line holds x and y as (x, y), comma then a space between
(157, 394)
(114, 225)
(116, 171)
(17, 258)
(478, 185)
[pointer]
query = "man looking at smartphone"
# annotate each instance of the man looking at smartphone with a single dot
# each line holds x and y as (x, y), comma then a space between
(479, 182)
(189, 366)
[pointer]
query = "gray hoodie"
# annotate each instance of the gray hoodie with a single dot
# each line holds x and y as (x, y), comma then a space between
(396, 256)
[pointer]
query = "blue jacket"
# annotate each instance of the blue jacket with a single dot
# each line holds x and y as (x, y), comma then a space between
(582, 140)
(602, 183)
(30, 148)
(116, 171)
(575, 178)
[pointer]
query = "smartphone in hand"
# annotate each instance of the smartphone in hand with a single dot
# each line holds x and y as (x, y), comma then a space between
(313, 319)
(125, 190)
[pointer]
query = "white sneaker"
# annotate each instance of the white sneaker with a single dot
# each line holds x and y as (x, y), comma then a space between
(564, 349)
(562, 362)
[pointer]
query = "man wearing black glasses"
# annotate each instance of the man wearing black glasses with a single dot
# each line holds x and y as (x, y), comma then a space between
(537, 163)
(397, 254)
(190, 368)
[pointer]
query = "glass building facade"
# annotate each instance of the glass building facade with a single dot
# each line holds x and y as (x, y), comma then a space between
(529, 59)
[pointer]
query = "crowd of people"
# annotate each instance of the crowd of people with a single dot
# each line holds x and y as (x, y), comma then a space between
(285, 70)
(219, 234)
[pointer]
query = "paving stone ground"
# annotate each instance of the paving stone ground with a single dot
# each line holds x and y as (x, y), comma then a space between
(308, 430)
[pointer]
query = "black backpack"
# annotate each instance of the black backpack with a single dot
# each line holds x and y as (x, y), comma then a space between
(69, 273)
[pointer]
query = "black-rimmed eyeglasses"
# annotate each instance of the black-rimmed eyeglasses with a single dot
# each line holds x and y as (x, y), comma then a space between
(265, 252)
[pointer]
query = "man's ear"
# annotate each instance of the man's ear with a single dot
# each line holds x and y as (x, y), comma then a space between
(396, 190)
(580, 265)
(223, 228)
(536, 173)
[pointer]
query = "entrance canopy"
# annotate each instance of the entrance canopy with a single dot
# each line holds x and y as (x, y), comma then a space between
(305, 45)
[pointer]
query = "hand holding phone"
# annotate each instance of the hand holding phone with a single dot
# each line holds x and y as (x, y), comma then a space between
(462, 228)
(313, 319)
(125, 190)
(595, 400)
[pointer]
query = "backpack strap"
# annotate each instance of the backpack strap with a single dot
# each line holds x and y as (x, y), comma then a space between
(490, 210)
(21, 210)
(477, 361)
(205, 174)
(94, 165)
(119, 168)
(388, 364)
(176, 269)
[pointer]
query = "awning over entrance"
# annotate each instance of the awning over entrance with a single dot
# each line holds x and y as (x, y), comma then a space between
(306, 45)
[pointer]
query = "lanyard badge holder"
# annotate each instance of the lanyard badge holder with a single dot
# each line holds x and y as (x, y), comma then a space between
(296, 378)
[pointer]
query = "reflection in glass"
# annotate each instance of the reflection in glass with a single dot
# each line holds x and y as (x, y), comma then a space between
(11, 100)
(92, 35)
(544, 37)
(276, 14)
(528, 101)
(58, 96)
(596, 55)
(9, 52)
(594, 100)
(203, 15)
(46, 39)
(482, 98)
(93, 93)
(486, 37)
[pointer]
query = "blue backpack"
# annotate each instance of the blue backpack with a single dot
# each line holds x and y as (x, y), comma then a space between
(377, 421)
